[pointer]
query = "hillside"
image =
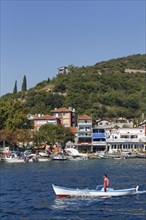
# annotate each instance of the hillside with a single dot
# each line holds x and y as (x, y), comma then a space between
(108, 89)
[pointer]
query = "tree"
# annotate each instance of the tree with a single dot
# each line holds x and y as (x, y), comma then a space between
(23, 135)
(6, 135)
(24, 84)
(13, 114)
(61, 87)
(15, 87)
(14, 137)
(53, 133)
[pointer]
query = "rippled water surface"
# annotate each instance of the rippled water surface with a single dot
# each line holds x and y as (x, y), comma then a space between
(26, 190)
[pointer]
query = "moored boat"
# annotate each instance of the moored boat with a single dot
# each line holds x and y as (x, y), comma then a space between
(58, 156)
(9, 157)
(104, 156)
(12, 160)
(69, 192)
(73, 154)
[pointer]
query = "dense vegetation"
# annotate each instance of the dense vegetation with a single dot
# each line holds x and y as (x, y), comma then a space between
(103, 90)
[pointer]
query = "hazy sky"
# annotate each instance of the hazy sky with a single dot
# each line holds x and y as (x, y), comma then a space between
(37, 37)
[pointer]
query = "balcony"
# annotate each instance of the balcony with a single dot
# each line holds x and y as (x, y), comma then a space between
(85, 123)
(122, 140)
(84, 134)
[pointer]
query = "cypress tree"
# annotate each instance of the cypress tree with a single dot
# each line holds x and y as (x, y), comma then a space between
(15, 87)
(24, 84)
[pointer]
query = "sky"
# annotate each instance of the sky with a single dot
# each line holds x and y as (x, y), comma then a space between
(38, 36)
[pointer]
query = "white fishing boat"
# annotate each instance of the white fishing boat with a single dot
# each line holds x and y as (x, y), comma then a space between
(43, 159)
(12, 160)
(104, 156)
(11, 157)
(76, 158)
(70, 192)
(59, 156)
(73, 154)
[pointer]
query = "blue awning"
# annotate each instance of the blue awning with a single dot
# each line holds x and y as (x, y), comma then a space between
(98, 135)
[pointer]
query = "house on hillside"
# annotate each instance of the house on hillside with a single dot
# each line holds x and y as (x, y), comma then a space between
(118, 122)
(66, 116)
(103, 123)
(45, 119)
(122, 122)
(143, 125)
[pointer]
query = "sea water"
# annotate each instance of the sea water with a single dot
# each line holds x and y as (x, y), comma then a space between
(26, 190)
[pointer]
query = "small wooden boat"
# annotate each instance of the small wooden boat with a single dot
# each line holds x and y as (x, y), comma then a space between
(70, 192)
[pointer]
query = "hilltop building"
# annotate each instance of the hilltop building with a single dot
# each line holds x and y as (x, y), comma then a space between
(62, 70)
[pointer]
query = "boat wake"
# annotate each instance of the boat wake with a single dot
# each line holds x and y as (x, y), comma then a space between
(73, 201)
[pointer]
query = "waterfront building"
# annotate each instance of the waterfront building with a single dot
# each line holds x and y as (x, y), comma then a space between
(107, 135)
(84, 125)
(98, 139)
(66, 116)
(122, 139)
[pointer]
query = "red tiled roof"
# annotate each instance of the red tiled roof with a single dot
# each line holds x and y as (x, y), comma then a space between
(44, 117)
(61, 110)
(84, 117)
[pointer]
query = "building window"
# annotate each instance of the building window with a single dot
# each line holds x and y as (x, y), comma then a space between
(65, 113)
(41, 122)
(99, 139)
(124, 136)
(133, 136)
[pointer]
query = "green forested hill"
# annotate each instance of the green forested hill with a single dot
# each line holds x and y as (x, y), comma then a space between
(108, 89)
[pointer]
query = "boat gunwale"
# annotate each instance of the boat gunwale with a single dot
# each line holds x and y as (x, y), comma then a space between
(94, 190)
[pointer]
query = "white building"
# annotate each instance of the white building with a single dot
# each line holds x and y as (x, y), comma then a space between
(63, 70)
(84, 132)
(119, 122)
(130, 139)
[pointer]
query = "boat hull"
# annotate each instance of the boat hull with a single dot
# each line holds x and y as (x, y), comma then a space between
(12, 160)
(69, 192)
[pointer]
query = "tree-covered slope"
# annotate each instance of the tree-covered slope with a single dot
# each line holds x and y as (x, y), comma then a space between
(109, 89)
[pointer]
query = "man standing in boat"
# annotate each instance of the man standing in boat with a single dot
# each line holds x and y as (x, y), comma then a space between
(106, 182)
